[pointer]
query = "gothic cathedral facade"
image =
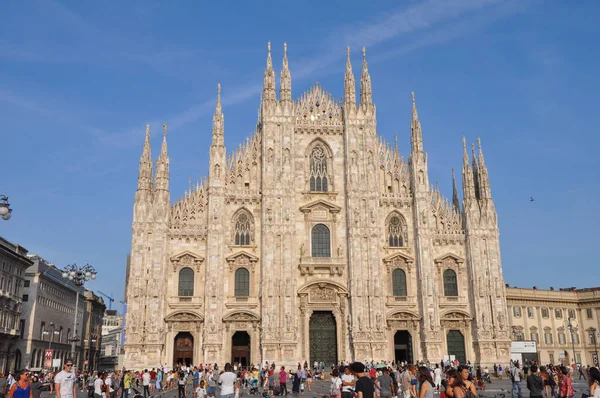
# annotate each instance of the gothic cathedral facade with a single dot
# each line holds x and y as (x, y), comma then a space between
(314, 240)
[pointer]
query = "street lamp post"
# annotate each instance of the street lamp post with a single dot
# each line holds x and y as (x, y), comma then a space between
(90, 355)
(594, 336)
(5, 210)
(573, 329)
(78, 275)
(52, 334)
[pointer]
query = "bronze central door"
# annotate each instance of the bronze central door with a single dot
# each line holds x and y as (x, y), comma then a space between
(323, 337)
(184, 350)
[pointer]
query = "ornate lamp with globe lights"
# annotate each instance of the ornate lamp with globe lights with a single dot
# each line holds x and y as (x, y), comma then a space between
(78, 275)
(5, 210)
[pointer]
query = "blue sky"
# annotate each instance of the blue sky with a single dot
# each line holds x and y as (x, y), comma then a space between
(79, 81)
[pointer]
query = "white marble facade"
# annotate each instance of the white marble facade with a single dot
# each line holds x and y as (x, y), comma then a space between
(314, 217)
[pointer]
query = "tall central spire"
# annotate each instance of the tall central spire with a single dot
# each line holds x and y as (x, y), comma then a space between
(269, 81)
(467, 177)
(161, 181)
(285, 84)
(366, 96)
(416, 135)
(218, 121)
(349, 82)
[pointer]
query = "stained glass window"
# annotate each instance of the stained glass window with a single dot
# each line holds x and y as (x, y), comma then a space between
(321, 241)
(450, 283)
(242, 282)
(186, 282)
(399, 283)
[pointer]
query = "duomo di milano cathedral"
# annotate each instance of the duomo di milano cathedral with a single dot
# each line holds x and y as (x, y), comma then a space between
(314, 240)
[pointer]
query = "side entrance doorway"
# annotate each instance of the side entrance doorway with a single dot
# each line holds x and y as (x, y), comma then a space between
(403, 346)
(184, 349)
(323, 337)
(240, 349)
(455, 342)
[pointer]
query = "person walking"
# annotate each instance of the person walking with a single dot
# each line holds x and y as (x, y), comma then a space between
(426, 382)
(64, 382)
(348, 382)
(385, 384)
(594, 382)
(22, 387)
(3, 385)
(535, 384)
(515, 378)
(146, 383)
(565, 384)
(227, 381)
(283, 381)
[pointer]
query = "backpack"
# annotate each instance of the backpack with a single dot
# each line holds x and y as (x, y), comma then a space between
(333, 390)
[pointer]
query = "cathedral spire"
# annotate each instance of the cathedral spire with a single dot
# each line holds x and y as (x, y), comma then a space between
(467, 177)
(285, 83)
(269, 81)
(218, 121)
(366, 95)
(455, 201)
(349, 82)
(416, 135)
(145, 173)
(161, 181)
(482, 172)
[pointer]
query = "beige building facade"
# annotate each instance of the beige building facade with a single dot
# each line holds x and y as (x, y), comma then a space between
(564, 323)
(314, 240)
(14, 263)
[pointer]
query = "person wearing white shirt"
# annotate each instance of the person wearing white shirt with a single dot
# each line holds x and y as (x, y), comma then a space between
(146, 383)
(227, 381)
(64, 382)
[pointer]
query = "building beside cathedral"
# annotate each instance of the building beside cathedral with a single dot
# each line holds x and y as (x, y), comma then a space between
(314, 240)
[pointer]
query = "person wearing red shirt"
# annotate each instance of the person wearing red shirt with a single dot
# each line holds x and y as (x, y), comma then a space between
(283, 381)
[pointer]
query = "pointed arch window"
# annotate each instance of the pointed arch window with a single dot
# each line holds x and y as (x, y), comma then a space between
(186, 282)
(318, 170)
(321, 241)
(242, 282)
(399, 283)
(396, 231)
(450, 283)
(243, 229)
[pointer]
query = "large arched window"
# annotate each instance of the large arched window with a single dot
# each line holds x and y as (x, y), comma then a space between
(450, 283)
(396, 231)
(186, 282)
(242, 282)
(242, 229)
(399, 283)
(321, 241)
(318, 169)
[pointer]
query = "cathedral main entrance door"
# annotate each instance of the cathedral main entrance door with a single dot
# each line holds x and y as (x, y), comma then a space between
(323, 337)
(184, 349)
(240, 349)
(403, 346)
(456, 345)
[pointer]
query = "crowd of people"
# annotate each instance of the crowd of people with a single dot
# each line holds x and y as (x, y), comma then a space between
(346, 380)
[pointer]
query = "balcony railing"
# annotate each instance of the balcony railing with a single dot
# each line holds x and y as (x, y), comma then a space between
(332, 265)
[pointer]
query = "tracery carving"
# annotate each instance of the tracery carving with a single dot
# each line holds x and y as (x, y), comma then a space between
(397, 231)
(242, 228)
(318, 108)
(318, 175)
